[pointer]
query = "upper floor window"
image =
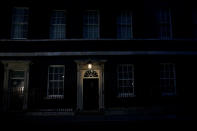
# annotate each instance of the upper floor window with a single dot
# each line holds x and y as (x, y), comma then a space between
(124, 25)
(55, 81)
(125, 79)
(165, 21)
(58, 25)
(194, 22)
(20, 23)
(168, 79)
(91, 25)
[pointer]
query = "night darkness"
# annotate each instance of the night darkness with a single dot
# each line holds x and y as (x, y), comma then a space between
(92, 64)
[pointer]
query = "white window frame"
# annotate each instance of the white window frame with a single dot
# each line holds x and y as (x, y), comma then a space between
(169, 78)
(55, 96)
(56, 33)
(86, 25)
(121, 24)
(16, 32)
(126, 94)
(165, 24)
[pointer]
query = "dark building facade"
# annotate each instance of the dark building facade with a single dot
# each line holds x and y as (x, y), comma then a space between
(120, 58)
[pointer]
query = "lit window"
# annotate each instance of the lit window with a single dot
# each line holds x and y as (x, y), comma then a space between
(91, 25)
(55, 81)
(165, 24)
(124, 23)
(16, 82)
(58, 25)
(20, 23)
(125, 79)
(168, 79)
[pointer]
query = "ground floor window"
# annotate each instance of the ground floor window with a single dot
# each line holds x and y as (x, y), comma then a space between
(168, 79)
(125, 79)
(55, 81)
(16, 82)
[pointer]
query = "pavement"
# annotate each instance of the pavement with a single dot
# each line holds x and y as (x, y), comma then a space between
(94, 121)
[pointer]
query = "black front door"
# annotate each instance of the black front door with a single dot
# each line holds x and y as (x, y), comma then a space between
(90, 94)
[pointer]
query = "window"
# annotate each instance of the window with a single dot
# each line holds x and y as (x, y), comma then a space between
(91, 25)
(20, 23)
(165, 24)
(194, 22)
(55, 81)
(167, 79)
(124, 25)
(58, 25)
(125, 80)
(16, 82)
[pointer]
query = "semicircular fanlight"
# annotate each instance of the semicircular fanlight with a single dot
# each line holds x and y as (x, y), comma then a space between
(91, 73)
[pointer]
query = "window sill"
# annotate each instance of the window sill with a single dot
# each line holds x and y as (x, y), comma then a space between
(126, 95)
(168, 94)
(51, 97)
